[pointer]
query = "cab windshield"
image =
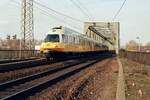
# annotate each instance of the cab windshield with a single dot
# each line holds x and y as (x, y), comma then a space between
(52, 38)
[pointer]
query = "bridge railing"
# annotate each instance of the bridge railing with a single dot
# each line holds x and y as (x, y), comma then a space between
(14, 54)
(141, 57)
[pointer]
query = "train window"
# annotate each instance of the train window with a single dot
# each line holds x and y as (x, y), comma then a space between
(70, 39)
(79, 41)
(65, 38)
(52, 38)
(89, 43)
(74, 40)
(84, 42)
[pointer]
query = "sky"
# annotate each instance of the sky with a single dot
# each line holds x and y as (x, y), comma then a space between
(134, 18)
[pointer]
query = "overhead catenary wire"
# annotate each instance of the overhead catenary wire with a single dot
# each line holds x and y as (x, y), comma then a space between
(48, 14)
(75, 19)
(78, 6)
(58, 19)
(88, 12)
(119, 10)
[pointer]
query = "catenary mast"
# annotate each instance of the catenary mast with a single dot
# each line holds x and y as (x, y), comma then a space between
(27, 27)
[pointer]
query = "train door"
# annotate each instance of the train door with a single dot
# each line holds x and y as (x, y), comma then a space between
(61, 38)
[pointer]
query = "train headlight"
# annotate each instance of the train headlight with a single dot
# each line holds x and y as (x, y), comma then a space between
(54, 46)
(46, 51)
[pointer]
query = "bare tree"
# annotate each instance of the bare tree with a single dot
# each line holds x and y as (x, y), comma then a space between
(132, 46)
(148, 44)
(147, 47)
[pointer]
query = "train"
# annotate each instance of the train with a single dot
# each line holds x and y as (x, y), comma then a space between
(63, 42)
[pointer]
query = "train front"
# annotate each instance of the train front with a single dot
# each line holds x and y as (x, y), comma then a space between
(51, 46)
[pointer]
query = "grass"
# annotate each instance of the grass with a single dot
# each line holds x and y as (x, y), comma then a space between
(137, 80)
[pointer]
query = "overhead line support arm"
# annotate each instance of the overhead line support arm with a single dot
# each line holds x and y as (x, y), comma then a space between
(91, 28)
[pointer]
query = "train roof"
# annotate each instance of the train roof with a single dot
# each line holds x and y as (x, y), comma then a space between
(62, 30)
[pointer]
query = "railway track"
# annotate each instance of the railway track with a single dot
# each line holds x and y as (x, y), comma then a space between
(29, 85)
(21, 64)
(16, 60)
(6, 67)
(11, 66)
(12, 75)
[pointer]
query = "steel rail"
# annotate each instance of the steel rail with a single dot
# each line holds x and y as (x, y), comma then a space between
(16, 60)
(60, 74)
(28, 64)
(22, 64)
(51, 70)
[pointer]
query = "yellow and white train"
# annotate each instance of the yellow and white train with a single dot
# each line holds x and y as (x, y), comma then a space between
(63, 42)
